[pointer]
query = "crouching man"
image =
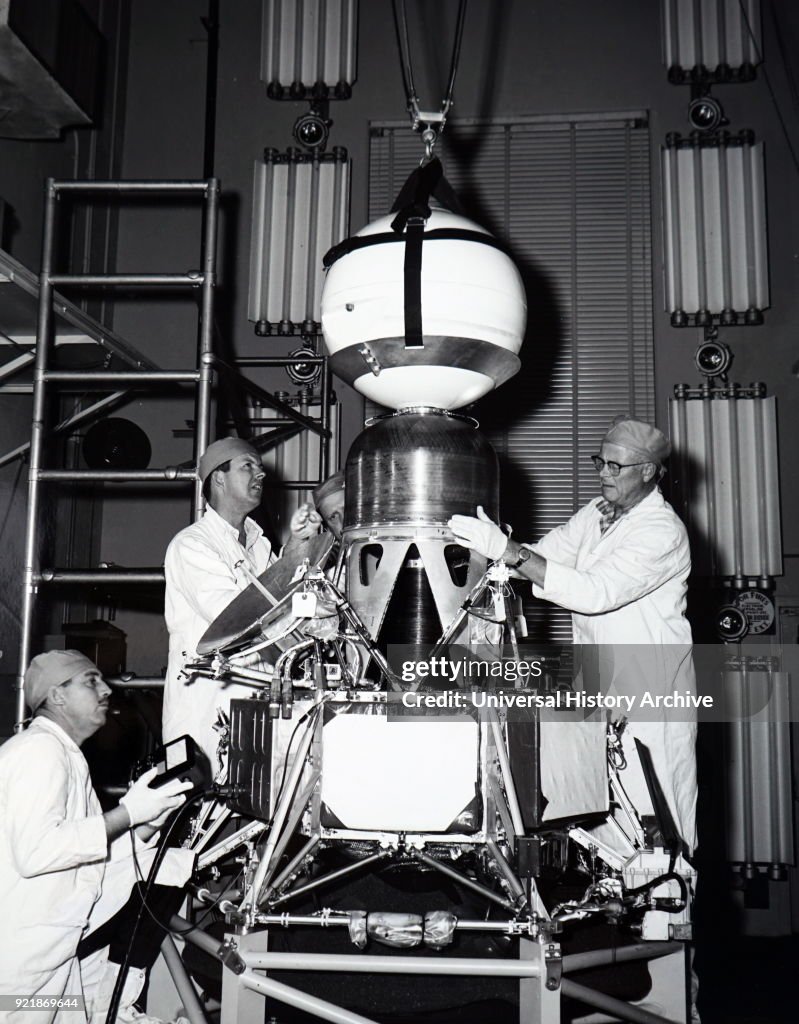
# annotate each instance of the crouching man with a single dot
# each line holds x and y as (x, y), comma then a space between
(55, 840)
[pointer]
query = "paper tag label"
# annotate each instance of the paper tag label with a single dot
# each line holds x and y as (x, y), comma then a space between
(303, 605)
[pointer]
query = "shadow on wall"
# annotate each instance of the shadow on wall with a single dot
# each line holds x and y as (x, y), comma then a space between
(504, 412)
(705, 594)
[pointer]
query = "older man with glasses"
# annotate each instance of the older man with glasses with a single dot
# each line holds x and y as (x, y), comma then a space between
(620, 565)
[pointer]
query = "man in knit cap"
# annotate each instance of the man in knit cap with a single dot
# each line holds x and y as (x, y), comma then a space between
(206, 566)
(621, 566)
(60, 855)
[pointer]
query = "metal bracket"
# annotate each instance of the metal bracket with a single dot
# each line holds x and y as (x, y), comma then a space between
(370, 359)
(554, 965)
(228, 953)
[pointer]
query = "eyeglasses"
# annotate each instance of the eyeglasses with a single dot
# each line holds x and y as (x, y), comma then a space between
(614, 467)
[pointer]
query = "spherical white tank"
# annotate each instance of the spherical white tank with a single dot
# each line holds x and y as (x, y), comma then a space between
(473, 312)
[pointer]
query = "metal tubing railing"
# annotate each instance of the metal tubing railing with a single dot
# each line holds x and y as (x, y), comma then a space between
(360, 963)
(331, 876)
(293, 864)
(193, 278)
(192, 1006)
(326, 389)
(71, 421)
(461, 879)
(205, 354)
(507, 776)
(15, 365)
(282, 993)
(126, 376)
(274, 403)
(145, 373)
(616, 1008)
(128, 186)
(31, 550)
(342, 920)
(312, 359)
(96, 576)
(617, 954)
(74, 316)
(139, 683)
(363, 963)
(169, 474)
(515, 885)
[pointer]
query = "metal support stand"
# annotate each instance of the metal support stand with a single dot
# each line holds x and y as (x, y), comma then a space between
(208, 191)
(188, 996)
(494, 581)
(244, 954)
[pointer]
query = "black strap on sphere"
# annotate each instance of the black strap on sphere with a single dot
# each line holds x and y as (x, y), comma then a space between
(412, 209)
(387, 237)
(412, 279)
(424, 183)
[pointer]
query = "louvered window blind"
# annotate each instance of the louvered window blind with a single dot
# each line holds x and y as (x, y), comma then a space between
(571, 198)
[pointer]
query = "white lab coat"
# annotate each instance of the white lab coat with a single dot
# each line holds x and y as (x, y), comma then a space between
(628, 587)
(58, 876)
(205, 568)
(52, 858)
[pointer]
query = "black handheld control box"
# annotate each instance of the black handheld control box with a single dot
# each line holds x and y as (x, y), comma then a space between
(180, 759)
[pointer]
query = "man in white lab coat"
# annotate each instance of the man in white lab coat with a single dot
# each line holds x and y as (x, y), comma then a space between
(206, 566)
(621, 565)
(55, 840)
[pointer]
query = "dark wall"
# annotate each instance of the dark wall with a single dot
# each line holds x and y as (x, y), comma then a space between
(535, 58)
(518, 58)
(526, 58)
(24, 167)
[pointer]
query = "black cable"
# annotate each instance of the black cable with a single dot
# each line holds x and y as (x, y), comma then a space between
(770, 87)
(406, 63)
(162, 848)
(403, 45)
(456, 54)
(669, 876)
(167, 927)
(116, 995)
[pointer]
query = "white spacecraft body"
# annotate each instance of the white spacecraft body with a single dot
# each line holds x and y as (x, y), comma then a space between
(473, 314)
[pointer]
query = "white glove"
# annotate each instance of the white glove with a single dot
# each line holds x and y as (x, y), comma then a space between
(480, 534)
(305, 522)
(145, 805)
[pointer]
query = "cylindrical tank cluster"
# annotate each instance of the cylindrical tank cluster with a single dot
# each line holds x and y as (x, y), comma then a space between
(423, 345)
(419, 466)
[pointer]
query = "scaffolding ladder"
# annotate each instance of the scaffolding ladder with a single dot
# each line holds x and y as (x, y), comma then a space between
(138, 374)
(120, 381)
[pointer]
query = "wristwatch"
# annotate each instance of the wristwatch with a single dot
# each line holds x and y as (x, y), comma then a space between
(521, 558)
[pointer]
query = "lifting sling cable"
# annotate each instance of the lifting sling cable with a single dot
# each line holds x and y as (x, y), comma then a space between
(411, 205)
(430, 123)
